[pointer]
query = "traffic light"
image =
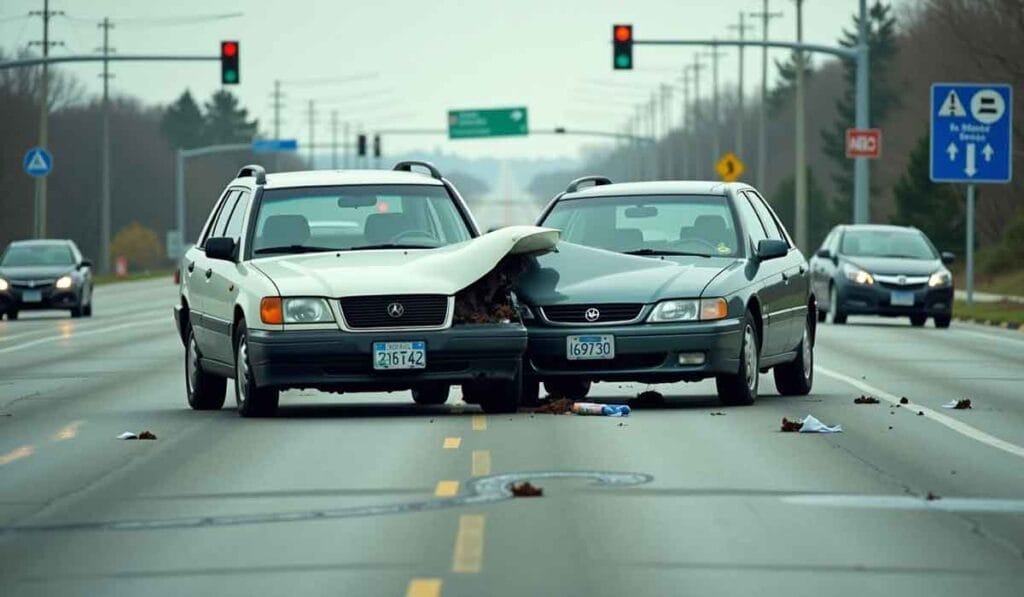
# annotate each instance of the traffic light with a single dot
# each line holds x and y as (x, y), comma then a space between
(229, 72)
(622, 47)
(361, 145)
(376, 146)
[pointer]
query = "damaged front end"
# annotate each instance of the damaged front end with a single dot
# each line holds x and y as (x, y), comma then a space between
(490, 299)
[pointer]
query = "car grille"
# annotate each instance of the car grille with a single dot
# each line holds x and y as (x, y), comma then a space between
(608, 313)
(29, 284)
(416, 311)
(627, 361)
(902, 282)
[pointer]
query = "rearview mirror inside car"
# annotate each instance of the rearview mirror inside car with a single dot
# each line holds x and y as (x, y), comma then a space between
(641, 211)
(357, 201)
(948, 257)
(771, 249)
(220, 247)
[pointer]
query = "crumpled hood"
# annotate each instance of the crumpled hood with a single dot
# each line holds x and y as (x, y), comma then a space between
(445, 270)
(896, 265)
(580, 274)
(35, 272)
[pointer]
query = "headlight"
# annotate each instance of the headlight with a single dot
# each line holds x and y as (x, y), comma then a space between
(940, 279)
(857, 275)
(4, 285)
(64, 282)
(688, 310)
(307, 310)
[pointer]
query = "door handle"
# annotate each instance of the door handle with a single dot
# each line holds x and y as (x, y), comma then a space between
(209, 273)
(191, 266)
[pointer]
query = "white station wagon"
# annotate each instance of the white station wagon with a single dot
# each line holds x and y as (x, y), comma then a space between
(346, 281)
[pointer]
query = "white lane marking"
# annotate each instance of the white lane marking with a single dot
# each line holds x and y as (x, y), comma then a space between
(908, 502)
(147, 322)
(958, 426)
(1008, 338)
(77, 326)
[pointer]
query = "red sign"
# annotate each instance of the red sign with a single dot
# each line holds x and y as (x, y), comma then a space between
(863, 143)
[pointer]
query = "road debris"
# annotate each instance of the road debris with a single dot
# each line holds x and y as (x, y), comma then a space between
(526, 489)
(489, 299)
(132, 435)
(717, 413)
(648, 398)
(622, 424)
(595, 408)
(561, 406)
(962, 404)
(809, 424)
(931, 497)
(920, 413)
(904, 400)
(866, 400)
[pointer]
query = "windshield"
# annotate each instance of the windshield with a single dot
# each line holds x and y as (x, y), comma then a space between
(649, 225)
(908, 244)
(37, 254)
(356, 217)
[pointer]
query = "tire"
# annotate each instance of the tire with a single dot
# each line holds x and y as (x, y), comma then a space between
(76, 312)
(203, 390)
(740, 389)
(531, 391)
(498, 396)
(12, 315)
(253, 401)
(797, 377)
(918, 320)
(943, 321)
(835, 314)
(431, 393)
(571, 388)
(822, 316)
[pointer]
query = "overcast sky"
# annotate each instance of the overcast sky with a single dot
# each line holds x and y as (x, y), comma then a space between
(419, 59)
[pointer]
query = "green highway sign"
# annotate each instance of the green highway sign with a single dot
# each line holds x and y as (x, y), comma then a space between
(495, 122)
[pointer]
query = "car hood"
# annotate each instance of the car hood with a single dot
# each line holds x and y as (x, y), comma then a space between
(35, 272)
(896, 265)
(444, 270)
(580, 274)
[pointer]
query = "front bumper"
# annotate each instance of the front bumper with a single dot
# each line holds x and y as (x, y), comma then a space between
(876, 299)
(13, 299)
(332, 360)
(643, 352)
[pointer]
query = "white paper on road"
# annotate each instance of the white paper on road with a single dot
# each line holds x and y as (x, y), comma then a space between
(128, 435)
(813, 425)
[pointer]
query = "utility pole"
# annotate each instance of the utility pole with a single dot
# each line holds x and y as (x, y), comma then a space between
(685, 121)
(276, 103)
(106, 25)
(800, 211)
(762, 142)
(696, 68)
(346, 145)
(716, 147)
(334, 139)
(741, 30)
(312, 149)
(861, 171)
(44, 111)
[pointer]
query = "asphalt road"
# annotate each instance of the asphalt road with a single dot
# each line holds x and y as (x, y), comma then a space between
(368, 494)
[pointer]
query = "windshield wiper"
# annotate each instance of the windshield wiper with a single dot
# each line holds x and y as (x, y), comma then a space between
(891, 256)
(663, 252)
(294, 249)
(389, 246)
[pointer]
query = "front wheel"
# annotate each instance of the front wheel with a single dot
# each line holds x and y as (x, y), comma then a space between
(204, 391)
(918, 320)
(431, 393)
(740, 389)
(253, 401)
(943, 321)
(835, 315)
(12, 315)
(797, 377)
(496, 396)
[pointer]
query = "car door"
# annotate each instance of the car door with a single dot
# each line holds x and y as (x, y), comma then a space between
(198, 269)
(223, 281)
(767, 277)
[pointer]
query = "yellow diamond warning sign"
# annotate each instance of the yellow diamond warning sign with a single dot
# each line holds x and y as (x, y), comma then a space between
(729, 167)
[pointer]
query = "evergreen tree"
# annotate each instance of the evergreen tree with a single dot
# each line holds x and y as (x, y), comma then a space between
(820, 215)
(882, 97)
(936, 209)
(226, 121)
(786, 86)
(182, 123)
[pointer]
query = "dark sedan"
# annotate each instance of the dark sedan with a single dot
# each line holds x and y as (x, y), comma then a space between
(661, 282)
(892, 271)
(45, 274)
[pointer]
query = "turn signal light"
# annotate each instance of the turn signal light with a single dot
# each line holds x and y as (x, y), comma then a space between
(271, 310)
(711, 309)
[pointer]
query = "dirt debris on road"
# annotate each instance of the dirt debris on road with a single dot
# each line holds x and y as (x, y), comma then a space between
(561, 406)
(133, 435)
(962, 404)
(904, 400)
(864, 399)
(526, 489)
(791, 426)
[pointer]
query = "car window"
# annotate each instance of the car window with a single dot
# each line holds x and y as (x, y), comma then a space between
(770, 225)
(701, 224)
(902, 243)
(38, 254)
(233, 227)
(356, 217)
(220, 217)
(751, 220)
(827, 243)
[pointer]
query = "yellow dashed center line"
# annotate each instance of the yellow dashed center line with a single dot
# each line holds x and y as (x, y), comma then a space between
(424, 587)
(479, 423)
(16, 454)
(446, 489)
(469, 544)
(68, 432)
(452, 443)
(481, 463)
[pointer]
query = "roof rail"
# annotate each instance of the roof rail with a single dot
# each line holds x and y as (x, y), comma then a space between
(253, 170)
(407, 165)
(597, 180)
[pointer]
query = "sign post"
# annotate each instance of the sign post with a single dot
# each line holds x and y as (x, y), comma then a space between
(498, 122)
(971, 143)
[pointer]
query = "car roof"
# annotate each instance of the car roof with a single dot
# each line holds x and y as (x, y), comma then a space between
(42, 241)
(877, 227)
(658, 187)
(326, 178)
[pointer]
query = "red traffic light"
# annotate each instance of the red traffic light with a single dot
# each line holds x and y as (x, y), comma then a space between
(623, 32)
(228, 48)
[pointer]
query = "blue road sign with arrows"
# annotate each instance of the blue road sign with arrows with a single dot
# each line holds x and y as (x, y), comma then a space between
(971, 139)
(268, 145)
(38, 162)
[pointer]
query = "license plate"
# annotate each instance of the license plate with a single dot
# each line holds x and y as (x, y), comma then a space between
(591, 347)
(400, 355)
(32, 296)
(902, 299)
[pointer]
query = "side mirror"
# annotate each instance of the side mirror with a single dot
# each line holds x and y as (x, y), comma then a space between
(220, 247)
(85, 263)
(823, 253)
(948, 257)
(771, 249)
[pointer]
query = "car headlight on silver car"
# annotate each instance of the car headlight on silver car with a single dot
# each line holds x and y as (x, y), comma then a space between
(4, 285)
(857, 275)
(64, 282)
(940, 279)
(688, 310)
(307, 310)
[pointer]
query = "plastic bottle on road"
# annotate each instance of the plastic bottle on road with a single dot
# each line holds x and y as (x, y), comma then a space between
(594, 408)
